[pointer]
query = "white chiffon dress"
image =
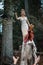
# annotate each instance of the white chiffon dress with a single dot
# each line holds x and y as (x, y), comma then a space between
(24, 25)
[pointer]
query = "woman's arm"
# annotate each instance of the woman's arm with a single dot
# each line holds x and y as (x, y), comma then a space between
(18, 18)
(31, 25)
(28, 22)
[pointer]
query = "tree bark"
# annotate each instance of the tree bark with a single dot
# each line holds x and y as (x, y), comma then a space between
(7, 40)
(26, 7)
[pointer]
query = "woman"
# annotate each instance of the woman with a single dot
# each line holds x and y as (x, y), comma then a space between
(24, 23)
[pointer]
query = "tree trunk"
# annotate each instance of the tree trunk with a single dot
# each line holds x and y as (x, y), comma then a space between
(26, 7)
(7, 40)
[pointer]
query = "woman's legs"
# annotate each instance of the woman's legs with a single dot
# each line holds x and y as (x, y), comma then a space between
(25, 36)
(23, 52)
(36, 60)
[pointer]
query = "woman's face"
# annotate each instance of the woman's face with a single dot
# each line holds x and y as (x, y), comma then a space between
(22, 12)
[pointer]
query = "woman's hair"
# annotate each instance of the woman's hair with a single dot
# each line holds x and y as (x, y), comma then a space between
(22, 9)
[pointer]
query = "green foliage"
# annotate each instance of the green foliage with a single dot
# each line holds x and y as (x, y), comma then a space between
(35, 21)
(17, 35)
(34, 6)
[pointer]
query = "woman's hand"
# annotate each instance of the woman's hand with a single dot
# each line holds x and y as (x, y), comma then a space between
(15, 13)
(16, 16)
